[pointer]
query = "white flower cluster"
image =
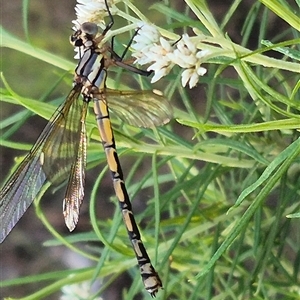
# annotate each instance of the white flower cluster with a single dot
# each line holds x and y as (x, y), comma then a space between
(150, 47)
(92, 10)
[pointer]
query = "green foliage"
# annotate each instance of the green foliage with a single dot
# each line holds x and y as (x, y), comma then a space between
(224, 174)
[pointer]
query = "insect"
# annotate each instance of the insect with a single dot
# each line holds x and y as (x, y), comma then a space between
(60, 151)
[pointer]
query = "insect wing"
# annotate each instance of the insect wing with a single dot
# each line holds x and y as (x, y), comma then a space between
(23, 186)
(140, 108)
(61, 146)
(75, 189)
(19, 192)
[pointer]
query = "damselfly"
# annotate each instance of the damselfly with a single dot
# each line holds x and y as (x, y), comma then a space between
(60, 151)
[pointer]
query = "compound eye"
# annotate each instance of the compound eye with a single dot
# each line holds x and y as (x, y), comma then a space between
(78, 43)
(75, 38)
(89, 28)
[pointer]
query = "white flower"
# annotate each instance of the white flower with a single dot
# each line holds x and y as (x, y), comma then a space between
(159, 73)
(192, 75)
(93, 10)
(162, 55)
(150, 47)
(146, 37)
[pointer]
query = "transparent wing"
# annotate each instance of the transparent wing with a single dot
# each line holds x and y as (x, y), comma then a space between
(61, 145)
(19, 192)
(140, 108)
(22, 187)
(75, 189)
